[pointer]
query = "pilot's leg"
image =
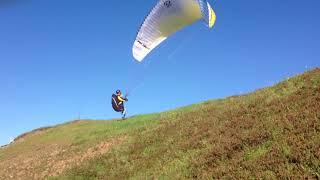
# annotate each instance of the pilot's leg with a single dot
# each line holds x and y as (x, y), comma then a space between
(124, 113)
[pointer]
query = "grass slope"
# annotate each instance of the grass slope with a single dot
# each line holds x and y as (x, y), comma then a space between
(271, 133)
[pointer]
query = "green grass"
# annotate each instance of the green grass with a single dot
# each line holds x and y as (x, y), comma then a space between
(269, 134)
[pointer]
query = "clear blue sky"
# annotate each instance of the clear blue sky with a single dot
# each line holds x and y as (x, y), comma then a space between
(60, 58)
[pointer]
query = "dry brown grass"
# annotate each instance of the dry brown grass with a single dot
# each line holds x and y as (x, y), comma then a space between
(51, 160)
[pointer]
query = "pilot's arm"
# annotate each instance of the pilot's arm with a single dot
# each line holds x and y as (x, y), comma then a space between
(121, 99)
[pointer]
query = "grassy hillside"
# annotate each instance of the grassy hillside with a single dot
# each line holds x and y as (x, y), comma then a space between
(271, 133)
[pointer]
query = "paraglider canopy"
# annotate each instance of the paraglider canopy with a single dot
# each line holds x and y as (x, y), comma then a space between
(167, 17)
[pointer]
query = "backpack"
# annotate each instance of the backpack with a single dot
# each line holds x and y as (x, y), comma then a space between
(115, 103)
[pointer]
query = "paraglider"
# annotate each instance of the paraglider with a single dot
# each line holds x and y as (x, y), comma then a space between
(166, 18)
(117, 102)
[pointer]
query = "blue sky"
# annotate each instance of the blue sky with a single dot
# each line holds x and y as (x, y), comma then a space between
(59, 59)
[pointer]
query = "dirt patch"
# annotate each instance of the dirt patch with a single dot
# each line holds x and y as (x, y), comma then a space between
(51, 160)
